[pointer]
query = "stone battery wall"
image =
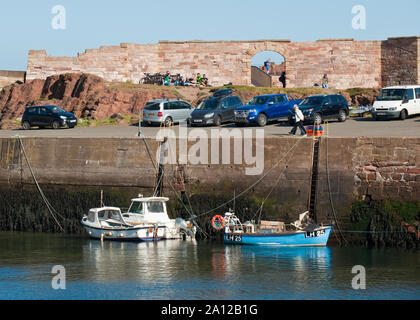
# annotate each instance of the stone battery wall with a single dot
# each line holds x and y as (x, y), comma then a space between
(8, 77)
(348, 63)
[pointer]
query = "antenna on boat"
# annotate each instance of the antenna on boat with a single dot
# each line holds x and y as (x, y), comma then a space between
(102, 198)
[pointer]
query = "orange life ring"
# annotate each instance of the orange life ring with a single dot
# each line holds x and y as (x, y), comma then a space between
(218, 222)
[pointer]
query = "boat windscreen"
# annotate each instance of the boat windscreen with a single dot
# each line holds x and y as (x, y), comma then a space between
(136, 207)
(155, 207)
(109, 214)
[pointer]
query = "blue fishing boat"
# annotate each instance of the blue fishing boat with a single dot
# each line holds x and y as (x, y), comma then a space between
(272, 233)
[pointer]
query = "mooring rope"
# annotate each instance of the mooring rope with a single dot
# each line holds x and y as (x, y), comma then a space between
(44, 198)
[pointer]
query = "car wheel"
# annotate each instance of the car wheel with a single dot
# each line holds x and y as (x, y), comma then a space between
(317, 118)
(168, 122)
(262, 120)
(403, 115)
(56, 125)
(342, 116)
(26, 125)
(218, 121)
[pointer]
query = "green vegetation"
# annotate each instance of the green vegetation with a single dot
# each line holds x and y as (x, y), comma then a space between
(110, 121)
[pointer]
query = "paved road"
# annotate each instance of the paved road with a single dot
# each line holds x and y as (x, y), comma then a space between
(350, 128)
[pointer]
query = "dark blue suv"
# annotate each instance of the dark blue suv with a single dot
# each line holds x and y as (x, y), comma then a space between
(47, 116)
(323, 107)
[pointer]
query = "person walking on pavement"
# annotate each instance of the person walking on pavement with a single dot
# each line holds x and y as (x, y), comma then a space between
(299, 118)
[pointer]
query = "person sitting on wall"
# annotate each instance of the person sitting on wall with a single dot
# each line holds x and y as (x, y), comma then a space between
(167, 82)
(267, 65)
(199, 79)
(325, 81)
(205, 80)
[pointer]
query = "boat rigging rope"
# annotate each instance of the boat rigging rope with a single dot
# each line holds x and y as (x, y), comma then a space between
(255, 183)
(44, 198)
(236, 196)
(271, 191)
(170, 184)
(329, 189)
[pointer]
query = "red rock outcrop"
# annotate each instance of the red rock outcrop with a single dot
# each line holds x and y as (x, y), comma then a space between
(83, 94)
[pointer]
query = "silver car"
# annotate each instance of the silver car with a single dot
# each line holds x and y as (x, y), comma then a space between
(166, 111)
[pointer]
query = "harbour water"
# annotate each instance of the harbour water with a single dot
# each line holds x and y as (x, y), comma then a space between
(198, 270)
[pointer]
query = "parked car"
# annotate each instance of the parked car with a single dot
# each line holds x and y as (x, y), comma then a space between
(216, 110)
(47, 116)
(265, 108)
(166, 111)
(323, 107)
(397, 102)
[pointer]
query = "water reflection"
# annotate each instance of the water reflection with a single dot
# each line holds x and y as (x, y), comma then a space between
(198, 270)
(163, 261)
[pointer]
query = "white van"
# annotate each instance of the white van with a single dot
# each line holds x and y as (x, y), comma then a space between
(397, 102)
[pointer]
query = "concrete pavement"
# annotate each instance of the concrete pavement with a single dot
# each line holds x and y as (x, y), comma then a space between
(351, 128)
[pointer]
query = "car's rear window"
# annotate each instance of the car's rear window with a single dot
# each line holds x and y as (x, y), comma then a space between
(152, 107)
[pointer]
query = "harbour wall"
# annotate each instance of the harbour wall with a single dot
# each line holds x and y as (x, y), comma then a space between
(377, 168)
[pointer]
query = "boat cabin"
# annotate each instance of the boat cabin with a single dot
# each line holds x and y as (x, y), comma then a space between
(106, 217)
(151, 209)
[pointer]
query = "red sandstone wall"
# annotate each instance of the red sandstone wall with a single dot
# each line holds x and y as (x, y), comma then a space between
(400, 61)
(348, 63)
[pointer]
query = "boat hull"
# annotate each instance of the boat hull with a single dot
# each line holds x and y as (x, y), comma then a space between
(317, 238)
(123, 234)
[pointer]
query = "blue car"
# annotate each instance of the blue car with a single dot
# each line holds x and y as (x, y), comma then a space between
(263, 109)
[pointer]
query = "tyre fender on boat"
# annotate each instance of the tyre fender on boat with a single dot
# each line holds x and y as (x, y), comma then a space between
(218, 222)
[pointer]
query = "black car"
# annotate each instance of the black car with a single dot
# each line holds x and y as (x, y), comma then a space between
(323, 107)
(47, 116)
(216, 110)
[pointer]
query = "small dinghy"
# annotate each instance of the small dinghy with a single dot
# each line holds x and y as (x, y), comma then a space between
(146, 220)
(274, 233)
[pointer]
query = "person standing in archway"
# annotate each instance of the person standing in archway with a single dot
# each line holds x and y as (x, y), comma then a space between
(282, 79)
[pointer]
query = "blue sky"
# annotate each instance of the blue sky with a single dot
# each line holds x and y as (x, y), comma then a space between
(26, 24)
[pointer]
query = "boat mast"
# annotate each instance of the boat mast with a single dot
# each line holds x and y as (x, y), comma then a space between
(161, 169)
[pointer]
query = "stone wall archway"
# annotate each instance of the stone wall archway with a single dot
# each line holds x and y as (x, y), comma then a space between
(348, 63)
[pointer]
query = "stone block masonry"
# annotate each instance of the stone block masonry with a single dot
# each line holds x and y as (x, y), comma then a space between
(383, 168)
(349, 63)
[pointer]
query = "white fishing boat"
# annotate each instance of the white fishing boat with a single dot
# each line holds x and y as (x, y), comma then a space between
(146, 220)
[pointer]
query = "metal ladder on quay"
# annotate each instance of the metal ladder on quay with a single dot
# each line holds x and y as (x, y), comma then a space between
(314, 179)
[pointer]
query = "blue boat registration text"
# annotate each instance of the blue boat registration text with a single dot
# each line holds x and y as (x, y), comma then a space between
(313, 234)
(233, 237)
